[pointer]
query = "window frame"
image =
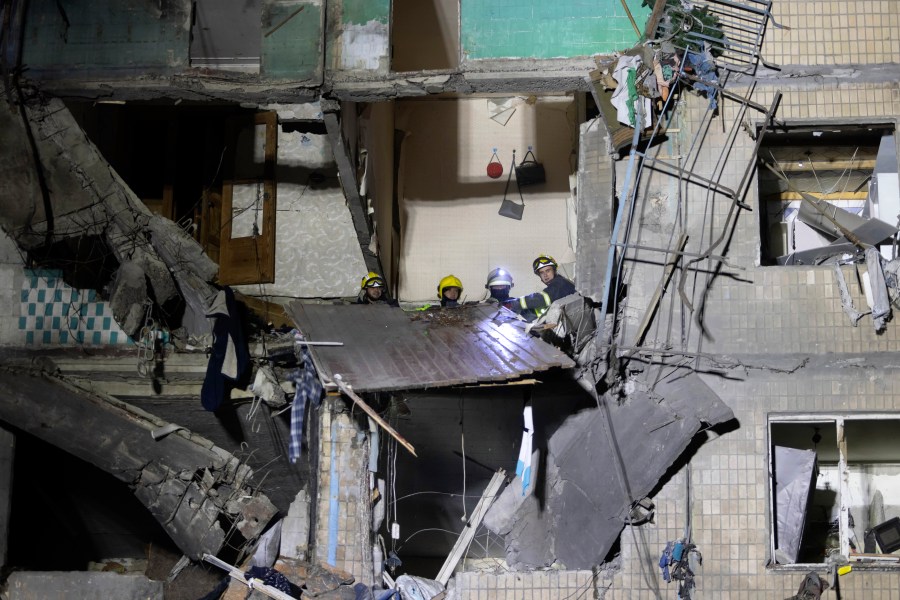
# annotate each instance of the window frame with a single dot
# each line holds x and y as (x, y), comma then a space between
(840, 418)
(760, 127)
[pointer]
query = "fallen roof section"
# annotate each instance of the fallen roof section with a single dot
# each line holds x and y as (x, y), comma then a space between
(188, 484)
(584, 502)
(385, 348)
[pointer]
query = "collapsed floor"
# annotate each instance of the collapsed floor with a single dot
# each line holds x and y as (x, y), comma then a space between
(697, 361)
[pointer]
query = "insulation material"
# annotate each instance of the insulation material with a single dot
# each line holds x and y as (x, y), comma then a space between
(317, 254)
(795, 472)
(450, 204)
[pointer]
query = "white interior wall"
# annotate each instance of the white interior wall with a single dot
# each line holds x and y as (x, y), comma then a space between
(317, 254)
(376, 126)
(449, 205)
(424, 34)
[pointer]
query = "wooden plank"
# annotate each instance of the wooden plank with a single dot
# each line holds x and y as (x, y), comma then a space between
(468, 534)
(371, 412)
(254, 584)
(788, 196)
(387, 349)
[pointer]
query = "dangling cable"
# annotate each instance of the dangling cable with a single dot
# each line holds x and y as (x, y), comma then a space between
(462, 443)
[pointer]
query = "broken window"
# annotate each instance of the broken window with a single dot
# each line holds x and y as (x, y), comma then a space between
(834, 488)
(827, 191)
(226, 35)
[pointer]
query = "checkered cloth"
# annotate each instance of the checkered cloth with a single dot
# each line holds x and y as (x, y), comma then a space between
(308, 388)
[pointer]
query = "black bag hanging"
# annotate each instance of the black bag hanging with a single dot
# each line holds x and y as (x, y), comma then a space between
(509, 208)
(530, 172)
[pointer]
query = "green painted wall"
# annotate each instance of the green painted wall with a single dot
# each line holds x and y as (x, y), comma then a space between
(294, 50)
(547, 28)
(87, 37)
(360, 12)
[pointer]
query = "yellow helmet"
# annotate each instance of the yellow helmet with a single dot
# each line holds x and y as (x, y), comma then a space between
(544, 260)
(372, 280)
(448, 282)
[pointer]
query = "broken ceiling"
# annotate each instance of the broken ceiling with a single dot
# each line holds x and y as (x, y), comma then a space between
(383, 348)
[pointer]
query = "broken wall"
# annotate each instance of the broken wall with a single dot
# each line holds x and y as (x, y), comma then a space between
(378, 139)
(759, 324)
(292, 40)
(343, 513)
(11, 271)
(359, 36)
(567, 28)
(450, 222)
(117, 39)
(548, 583)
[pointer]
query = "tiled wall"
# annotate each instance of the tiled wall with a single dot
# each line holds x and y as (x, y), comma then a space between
(344, 516)
(834, 32)
(753, 310)
(729, 490)
(54, 313)
(533, 585)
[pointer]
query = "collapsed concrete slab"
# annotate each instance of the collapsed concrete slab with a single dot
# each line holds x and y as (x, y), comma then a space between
(577, 515)
(82, 585)
(85, 196)
(190, 486)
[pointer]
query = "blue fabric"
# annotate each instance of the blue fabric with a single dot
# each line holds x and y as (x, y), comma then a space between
(705, 68)
(308, 388)
(215, 387)
(665, 560)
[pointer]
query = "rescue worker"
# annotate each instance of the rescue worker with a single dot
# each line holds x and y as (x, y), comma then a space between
(450, 290)
(372, 290)
(534, 305)
(499, 282)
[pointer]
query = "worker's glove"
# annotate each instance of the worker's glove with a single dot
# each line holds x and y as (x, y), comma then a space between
(512, 304)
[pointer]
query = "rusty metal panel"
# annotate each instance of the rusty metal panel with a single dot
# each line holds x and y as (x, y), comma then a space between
(386, 348)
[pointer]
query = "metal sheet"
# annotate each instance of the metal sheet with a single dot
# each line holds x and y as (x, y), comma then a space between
(385, 348)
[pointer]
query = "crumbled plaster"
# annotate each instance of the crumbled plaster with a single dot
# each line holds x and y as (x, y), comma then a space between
(365, 47)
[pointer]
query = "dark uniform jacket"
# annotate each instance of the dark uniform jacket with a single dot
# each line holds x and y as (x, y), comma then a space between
(533, 305)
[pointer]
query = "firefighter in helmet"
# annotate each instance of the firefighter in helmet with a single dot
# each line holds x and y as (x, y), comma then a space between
(372, 290)
(534, 305)
(450, 290)
(499, 282)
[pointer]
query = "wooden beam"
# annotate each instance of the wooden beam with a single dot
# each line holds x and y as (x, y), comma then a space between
(253, 584)
(349, 183)
(788, 196)
(371, 412)
(826, 165)
(468, 534)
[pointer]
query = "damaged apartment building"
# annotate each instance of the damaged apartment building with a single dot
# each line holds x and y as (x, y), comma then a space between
(196, 406)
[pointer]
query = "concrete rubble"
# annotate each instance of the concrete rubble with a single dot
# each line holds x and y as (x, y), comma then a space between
(356, 448)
